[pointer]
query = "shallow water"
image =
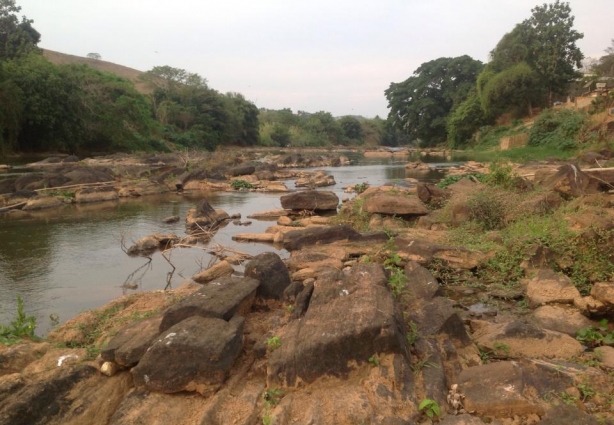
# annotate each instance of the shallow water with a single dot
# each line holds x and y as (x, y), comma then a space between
(64, 261)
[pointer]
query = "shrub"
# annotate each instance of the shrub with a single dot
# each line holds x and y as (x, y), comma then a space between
(560, 129)
(487, 210)
(22, 326)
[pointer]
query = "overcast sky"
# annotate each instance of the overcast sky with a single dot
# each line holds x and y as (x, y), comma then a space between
(311, 55)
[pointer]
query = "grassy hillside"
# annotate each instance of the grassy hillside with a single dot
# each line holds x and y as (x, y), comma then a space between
(131, 74)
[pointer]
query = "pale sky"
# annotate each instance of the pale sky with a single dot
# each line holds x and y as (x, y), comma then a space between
(311, 55)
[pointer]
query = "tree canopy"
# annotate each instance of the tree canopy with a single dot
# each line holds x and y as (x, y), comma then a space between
(420, 105)
(16, 37)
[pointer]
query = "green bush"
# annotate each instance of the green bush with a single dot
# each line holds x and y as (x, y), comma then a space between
(556, 128)
(487, 211)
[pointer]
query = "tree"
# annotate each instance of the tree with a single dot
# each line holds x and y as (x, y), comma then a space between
(95, 56)
(352, 129)
(16, 37)
(605, 66)
(465, 120)
(420, 105)
(553, 53)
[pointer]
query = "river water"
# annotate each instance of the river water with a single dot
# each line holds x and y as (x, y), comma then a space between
(68, 260)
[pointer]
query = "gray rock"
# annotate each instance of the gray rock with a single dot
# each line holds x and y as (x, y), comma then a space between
(571, 182)
(420, 282)
(220, 299)
(131, 342)
(194, 355)
(271, 272)
(322, 344)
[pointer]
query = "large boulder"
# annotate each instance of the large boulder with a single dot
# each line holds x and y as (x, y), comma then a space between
(321, 344)
(194, 355)
(561, 318)
(571, 182)
(271, 272)
(549, 287)
(432, 194)
(131, 342)
(241, 170)
(311, 200)
(221, 299)
(203, 218)
(388, 203)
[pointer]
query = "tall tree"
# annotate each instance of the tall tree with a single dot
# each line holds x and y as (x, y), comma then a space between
(16, 37)
(420, 105)
(553, 53)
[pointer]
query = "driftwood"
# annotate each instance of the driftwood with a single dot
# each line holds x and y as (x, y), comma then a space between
(13, 207)
(74, 186)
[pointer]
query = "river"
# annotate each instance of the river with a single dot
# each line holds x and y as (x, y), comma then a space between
(68, 260)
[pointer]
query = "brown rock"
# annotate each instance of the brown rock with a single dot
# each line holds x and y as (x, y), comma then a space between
(605, 354)
(42, 202)
(548, 287)
(310, 200)
(424, 252)
(560, 318)
(496, 389)
(221, 269)
(516, 339)
(270, 214)
(96, 194)
(14, 358)
(432, 194)
(604, 293)
(390, 204)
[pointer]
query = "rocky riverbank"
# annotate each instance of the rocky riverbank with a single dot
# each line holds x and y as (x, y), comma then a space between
(481, 302)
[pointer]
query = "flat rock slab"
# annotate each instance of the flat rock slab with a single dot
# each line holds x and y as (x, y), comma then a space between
(571, 182)
(516, 339)
(311, 200)
(96, 194)
(390, 204)
(497, 389)
(323, 344)
(561, 318)
(221, 299)
(271, 272)
(424, 252)
(14, 358)
(131, 342)
(194, 355)
(548, 287)
(297, 239)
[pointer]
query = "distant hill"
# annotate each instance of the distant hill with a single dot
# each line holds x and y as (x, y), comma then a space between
(120, 70)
